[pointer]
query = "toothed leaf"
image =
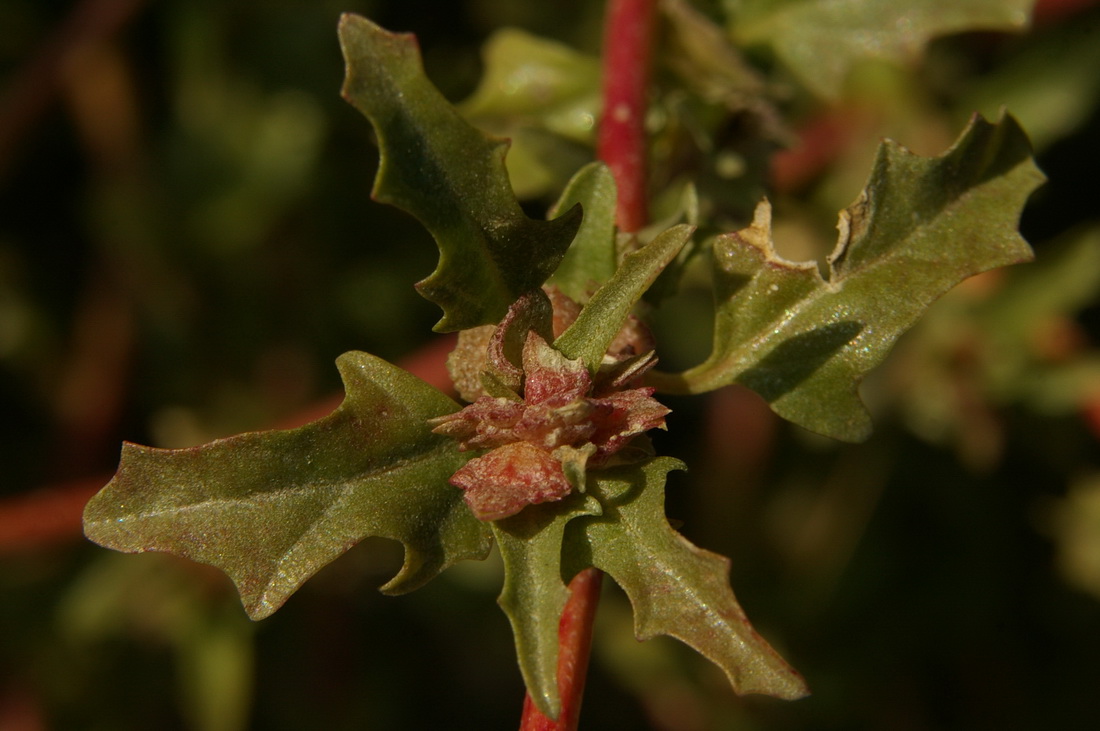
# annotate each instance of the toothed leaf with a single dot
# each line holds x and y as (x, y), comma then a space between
(451, 177)
(534, 594)
(921, 226)
(271, 508)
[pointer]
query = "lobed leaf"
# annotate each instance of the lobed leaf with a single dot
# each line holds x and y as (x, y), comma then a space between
(534, 594)
(271, 508)
(920, 226)
(451, 177)
(821, 41)
(676, 589)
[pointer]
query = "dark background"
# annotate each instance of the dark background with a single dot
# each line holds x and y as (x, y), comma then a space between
(187, 243)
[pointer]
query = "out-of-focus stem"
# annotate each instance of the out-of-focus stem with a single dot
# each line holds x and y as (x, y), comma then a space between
(628, 44)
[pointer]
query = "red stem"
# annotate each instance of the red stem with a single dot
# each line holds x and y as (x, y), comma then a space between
(574, 647)
(628, 44)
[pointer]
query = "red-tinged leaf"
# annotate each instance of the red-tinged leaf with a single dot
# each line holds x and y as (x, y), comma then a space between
(509, 478)
(540, 446)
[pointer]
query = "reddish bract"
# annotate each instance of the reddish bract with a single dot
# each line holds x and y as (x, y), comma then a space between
(555, 422)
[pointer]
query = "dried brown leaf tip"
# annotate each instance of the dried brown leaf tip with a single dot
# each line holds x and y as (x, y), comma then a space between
(541, 444)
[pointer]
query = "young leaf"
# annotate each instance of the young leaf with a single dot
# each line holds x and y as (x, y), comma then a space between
(920, 226)
(592, 258)
(271, 508)
(590, 335)
(451, 177)
(822, 41)
(676, 589)
(534, 594)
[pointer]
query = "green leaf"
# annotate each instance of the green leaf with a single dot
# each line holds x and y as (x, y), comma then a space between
(821, 41)
(534, 594)
(451, 177)
(920, 226)
(676, 589)
(592, 332)
(535, 81)
(543, 96)
(271, 508)
(593, 257)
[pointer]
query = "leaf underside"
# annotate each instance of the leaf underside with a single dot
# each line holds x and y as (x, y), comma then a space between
(676, 589)
(450, 177)
(271, 508)
(920, 226)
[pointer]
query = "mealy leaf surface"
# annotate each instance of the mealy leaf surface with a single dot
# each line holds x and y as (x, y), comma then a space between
(271, 508)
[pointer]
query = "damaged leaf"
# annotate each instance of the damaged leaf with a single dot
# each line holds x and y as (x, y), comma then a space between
(540, 446)
(921, 226)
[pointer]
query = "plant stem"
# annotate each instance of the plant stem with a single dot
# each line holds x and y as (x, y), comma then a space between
(574, 647)
(628, 44)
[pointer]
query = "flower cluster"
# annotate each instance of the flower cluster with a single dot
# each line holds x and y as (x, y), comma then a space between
(541, 444)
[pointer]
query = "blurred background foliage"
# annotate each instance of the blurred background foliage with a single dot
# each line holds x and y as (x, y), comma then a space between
(186, 244)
